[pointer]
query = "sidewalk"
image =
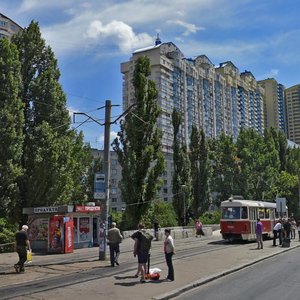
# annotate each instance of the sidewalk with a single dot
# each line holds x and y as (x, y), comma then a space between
(190, 271)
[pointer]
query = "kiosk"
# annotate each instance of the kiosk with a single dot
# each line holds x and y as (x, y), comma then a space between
(61, 229)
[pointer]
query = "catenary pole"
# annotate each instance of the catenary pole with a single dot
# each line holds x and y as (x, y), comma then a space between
(105, 206)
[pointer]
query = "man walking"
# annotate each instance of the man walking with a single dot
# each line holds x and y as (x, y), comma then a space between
(22, 244)
(259, 229)
(142, 245)
(114, 239)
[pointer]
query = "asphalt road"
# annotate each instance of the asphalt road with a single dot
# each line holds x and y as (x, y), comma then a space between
(274, 278)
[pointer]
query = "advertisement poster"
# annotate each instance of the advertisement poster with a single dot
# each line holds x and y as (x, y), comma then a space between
(38, 229)
(56, 231)
(84, 229)
(69, 236)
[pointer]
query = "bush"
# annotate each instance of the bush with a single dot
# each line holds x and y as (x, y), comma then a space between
(161, 211)
(211, 217)
(7, 235)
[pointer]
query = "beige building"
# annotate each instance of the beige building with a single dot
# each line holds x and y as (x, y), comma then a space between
(8, 27)
(274, 107)
(292, 105)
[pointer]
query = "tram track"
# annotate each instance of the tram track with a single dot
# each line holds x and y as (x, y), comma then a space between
(76, 274)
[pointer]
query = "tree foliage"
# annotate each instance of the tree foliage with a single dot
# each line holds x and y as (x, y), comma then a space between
(182, 173)
(138, 147)
(199, 172)
(11, 128)
(49, 158)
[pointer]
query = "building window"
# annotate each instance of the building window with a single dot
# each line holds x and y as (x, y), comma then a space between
(113, 190)
(114, 162)
(114, 171)
(165, 191)
(113, 181)
(166, 199)
(114, 209)
(114, 199)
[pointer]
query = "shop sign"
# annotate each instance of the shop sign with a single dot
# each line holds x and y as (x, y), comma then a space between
(45, 210)
(84, 209)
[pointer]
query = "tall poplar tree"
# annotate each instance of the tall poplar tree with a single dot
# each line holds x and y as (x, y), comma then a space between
(182, 173)
(138, 147)
(11, 128)
(54, 157)
(199, 172)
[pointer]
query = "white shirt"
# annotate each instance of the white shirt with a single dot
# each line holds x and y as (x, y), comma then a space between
(277, 226)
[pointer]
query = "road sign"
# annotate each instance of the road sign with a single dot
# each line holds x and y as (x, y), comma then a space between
(99, 186)
(281, 205)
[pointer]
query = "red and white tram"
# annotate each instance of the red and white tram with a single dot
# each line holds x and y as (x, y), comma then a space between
(239, 218)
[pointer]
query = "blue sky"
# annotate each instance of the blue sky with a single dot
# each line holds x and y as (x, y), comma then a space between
(91, 38)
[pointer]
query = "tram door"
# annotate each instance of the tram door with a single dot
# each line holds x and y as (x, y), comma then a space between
(253, 219)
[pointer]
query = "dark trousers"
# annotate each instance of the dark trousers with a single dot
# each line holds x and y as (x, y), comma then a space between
(280, 236)
(170, 265)
(22, 252)
(114, 250)
(275, 237)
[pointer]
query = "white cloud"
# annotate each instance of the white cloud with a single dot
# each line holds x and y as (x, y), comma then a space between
(119, 32)
(189, 28)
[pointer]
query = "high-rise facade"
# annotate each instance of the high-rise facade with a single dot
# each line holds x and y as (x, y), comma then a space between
(216, 99)
(274, 106)
(292, 106)
(8, 27)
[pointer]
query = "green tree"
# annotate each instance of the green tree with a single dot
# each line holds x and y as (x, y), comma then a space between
(54, 157)
(11, 128)
(182, 185)
(138, 147)
(225, 168)
(199, 172)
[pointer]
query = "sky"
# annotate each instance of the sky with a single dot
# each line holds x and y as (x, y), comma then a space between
(91, 38)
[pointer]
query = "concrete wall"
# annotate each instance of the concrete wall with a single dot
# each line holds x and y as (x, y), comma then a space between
(177, 232)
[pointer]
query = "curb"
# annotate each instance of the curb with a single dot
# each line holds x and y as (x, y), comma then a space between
(197, 283)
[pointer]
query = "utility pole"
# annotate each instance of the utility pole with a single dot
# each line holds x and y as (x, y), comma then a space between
(105, 207)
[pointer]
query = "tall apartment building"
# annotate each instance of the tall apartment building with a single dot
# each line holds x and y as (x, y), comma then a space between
(8, 27)
(216, 99)
(292, 106)
(274, 106)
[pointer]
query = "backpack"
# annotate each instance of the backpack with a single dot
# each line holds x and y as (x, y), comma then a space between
(145, 242)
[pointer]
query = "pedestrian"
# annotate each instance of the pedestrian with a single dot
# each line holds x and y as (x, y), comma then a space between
(298, 228)
(155, 228)
(22, 245)
(287, 228)
(142, 245)
(276, 232)
(114, 237)
(293, 228)
(259, 229)
(198, 228)
(169, 250)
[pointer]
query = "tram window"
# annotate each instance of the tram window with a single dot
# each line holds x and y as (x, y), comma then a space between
(244, 213)
(231, 213)
(267, 213)
(261, 213)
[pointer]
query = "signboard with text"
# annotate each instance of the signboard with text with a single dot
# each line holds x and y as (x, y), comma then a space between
(99, 186)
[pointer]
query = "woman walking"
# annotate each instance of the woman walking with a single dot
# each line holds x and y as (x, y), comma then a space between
(169, 250)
